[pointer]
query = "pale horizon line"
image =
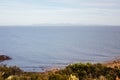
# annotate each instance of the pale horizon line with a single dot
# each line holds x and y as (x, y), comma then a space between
(42, 25)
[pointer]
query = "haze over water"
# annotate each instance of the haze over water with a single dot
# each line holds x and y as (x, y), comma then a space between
(58, 46)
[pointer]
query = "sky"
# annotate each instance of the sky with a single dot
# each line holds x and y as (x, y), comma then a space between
(72, 12)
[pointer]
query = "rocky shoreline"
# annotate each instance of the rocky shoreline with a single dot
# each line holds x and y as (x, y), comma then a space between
(4, 57)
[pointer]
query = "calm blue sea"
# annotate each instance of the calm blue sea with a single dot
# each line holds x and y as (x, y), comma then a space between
(40, 48)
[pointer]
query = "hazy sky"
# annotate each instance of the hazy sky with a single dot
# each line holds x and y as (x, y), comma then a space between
(85, 12)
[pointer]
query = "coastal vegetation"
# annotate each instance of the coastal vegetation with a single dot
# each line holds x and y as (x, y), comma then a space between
(78, 71)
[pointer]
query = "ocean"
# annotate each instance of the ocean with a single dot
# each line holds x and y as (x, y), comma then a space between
(42, 48)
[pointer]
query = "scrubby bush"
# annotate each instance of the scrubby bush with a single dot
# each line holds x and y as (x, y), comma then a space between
(7, 71)
(88, 70)
(57, 77)
(78, 71)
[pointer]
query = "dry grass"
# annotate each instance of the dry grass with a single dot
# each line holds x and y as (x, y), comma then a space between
(113, 63)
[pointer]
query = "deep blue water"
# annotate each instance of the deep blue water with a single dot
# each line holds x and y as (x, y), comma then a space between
(40, 47)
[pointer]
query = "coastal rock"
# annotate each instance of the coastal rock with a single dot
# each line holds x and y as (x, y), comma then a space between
(4, 57)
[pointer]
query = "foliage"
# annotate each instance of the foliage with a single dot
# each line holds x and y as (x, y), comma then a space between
(57, 77)
(78, 71)
(88, 70)
(7, 71)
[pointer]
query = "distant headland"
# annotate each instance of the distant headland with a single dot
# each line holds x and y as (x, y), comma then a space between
(4, 57)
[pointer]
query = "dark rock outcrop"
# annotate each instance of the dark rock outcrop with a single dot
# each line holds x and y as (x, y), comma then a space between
(4, 57)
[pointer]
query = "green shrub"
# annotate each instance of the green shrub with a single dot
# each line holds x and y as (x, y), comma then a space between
(57, 77)
(88, 70)
(7, 71)
(77, 71)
